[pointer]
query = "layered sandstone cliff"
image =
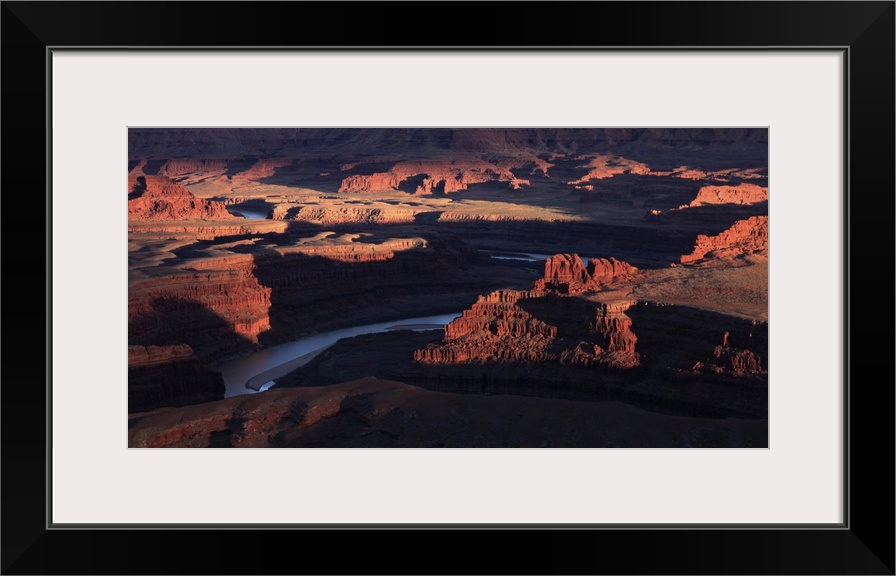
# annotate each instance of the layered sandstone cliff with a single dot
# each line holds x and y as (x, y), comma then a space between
(153, 355)
(745, 237)
(160, 198)
(216, 305)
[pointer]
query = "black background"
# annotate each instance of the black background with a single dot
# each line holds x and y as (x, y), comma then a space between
(864, 546)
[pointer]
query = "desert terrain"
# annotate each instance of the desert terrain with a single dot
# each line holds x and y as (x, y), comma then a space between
(601, 287)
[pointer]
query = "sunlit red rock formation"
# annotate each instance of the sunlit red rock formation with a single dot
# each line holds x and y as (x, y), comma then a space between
(160, 198)
(514, 327)
(748, 236)
(565, 269)
(372, 182)
(354, 252)
(545, 324)
(724, 175)
(606, 166)
(741, 194)
(566, 273)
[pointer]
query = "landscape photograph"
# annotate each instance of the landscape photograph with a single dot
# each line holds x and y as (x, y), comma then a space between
(567, 287)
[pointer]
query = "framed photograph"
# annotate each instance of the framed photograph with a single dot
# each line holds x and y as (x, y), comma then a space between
(710, 200)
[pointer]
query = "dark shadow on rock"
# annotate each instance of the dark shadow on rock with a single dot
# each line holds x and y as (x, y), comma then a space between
(383, 355)
(252, 206)
(240, 164)
(224, 438)
(315, 293)
(428, 218)
(153, 167)
(322, 173)
(409, 185)
(180, 383)
(138, 188)
(173, 320)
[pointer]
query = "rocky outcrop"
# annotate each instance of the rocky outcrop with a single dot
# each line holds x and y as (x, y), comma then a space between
(745, 237)
(372, 182)
(740, 353)
(567, 274)
(565, 269)
(160, 198)
(517, 329)
(727, 175)
(607, 166)
(545, 324)
(569, 337)
(742, 194)
(738, 362)
(702, 341)
(169, 376)
(356, 252)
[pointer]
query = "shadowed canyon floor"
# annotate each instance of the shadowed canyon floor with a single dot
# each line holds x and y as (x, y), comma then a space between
(385, 414)
(657, 338)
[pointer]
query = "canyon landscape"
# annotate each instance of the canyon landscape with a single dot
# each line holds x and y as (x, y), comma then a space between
(448, 287)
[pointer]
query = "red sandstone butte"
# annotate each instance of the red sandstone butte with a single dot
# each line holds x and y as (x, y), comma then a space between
(748, 236)
(160, 198)
(501, 326)
(741, 194)
(567, 273)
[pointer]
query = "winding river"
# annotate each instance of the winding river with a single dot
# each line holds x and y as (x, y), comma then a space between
(256, 372)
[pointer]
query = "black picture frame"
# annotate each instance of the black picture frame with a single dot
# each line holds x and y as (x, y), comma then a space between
(863, 545)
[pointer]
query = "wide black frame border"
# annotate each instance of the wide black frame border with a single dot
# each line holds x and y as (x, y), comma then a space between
(865, 30)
